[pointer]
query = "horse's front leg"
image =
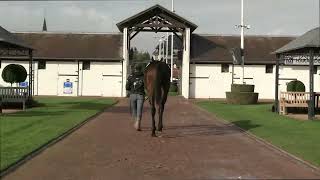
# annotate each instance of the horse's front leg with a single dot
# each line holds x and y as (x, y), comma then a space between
(161, 109)
(153, 113)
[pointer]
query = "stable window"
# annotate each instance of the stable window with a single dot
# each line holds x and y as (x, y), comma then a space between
(86, 65)
(42, 65)
(315, 69)
(224, 68)
(269, 69)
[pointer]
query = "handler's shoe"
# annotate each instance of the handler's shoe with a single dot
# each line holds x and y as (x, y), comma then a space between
(137, 124)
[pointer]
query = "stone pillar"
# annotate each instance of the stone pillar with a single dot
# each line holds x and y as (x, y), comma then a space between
(276, 85)
(311, 86)
(125, 61)
(186, 63)
(30, 87)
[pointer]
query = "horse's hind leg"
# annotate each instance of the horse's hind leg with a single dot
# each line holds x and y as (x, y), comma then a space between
(161, 108)
(153, 113)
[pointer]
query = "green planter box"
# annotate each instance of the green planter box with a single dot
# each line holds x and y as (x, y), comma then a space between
(242, 97)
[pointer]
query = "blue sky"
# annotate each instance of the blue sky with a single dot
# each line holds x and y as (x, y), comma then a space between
(266, 17)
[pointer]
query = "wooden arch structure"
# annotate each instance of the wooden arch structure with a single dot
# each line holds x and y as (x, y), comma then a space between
(12, 46)
(305, 50)
(158, 19)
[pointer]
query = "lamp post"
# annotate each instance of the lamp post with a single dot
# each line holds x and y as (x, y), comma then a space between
(171, 78)
(242, 26)
(167, 50)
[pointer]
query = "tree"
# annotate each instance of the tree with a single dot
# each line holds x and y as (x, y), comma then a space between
(14, 73)
(136, 55)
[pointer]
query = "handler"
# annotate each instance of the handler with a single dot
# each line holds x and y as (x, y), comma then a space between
(135, 86)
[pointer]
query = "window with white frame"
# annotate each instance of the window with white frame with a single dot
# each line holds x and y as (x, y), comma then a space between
(86, 65)
(42, 64)
(269, 68)
(224, 68)
(315, 69)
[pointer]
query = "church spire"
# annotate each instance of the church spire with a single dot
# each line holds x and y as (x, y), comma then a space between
(44, 26)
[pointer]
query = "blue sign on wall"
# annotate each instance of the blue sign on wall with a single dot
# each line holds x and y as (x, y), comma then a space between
(23, 84)
(67, 87)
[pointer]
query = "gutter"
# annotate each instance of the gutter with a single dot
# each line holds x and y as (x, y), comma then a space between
(63, 59)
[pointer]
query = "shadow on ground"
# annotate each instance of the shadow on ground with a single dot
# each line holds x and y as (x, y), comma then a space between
(176, 131)
(125, 109)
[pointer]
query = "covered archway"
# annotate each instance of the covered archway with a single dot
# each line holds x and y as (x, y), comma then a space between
(157, 19)
(12, 46)
(304, 50)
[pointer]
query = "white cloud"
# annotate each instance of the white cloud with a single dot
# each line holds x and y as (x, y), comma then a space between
(278, 31)
(72, 11)
(273, 17)
(85, 19)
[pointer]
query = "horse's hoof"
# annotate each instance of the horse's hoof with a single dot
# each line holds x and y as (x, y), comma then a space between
(153, 135)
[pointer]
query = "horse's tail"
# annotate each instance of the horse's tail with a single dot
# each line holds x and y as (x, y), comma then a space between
(157, 84)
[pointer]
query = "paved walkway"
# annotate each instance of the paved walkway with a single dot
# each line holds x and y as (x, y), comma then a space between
(193, 145)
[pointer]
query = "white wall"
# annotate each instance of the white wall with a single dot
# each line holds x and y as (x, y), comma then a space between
(206, 80)
(103, 78)
(46, 80)
(210, 82)
(256, 74)
(300, 73)
(67, 70)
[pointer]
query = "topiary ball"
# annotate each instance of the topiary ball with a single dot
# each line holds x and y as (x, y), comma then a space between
(14, 73)
(296, 86)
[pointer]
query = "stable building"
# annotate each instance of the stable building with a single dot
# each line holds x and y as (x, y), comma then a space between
(69, 64)
(97, 64)
(212, 71)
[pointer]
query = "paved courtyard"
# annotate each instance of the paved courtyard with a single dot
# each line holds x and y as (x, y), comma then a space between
(194, 145)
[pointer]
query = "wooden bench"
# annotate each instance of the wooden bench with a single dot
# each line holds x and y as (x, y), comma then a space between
(13, 95)
(293, 99)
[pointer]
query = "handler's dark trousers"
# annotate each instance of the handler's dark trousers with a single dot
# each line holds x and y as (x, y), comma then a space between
(136, 103)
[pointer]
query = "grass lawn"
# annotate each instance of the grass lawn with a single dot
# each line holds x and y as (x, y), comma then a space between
(173, 94)
(300, 138)
(23, 132)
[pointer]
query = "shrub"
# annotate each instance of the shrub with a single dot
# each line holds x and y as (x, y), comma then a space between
(173, 87)
(296, 86)
(14, 73)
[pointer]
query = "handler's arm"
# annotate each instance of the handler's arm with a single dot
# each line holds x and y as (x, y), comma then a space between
(129, 83)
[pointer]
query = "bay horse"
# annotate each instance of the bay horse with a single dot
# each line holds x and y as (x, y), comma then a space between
(157, 84)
